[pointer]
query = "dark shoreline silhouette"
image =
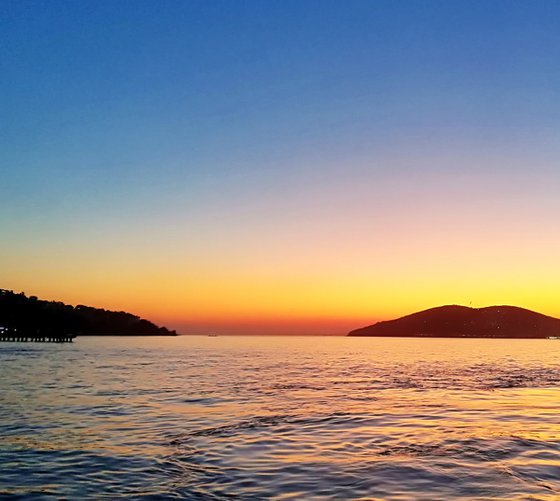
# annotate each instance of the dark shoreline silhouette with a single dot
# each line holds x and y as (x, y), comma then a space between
(34, 318)
(510, 322)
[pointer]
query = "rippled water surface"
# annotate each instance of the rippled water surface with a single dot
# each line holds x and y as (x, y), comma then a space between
(281, 418)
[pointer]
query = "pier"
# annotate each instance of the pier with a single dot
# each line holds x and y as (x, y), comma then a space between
(16, 337)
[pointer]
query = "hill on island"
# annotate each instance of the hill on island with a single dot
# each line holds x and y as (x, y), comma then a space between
(29, 315)
(461, 321)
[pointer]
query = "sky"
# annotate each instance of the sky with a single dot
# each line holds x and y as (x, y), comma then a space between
(280, 166)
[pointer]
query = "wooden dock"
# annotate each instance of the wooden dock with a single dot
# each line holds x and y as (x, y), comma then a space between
(15, 337)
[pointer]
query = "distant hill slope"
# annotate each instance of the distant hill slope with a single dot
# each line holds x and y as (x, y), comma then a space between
(461, 321)
(29, 315)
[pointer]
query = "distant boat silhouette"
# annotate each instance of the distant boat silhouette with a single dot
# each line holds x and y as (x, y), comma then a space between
(465, 322)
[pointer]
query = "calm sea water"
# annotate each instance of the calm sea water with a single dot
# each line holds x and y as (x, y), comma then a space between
(281, 418)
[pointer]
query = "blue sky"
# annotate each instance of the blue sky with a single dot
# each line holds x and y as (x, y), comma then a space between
(128, 123)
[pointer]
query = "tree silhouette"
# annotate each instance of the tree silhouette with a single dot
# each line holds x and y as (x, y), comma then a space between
(30, 315)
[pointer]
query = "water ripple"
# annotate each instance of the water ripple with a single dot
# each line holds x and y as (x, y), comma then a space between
(281, 418)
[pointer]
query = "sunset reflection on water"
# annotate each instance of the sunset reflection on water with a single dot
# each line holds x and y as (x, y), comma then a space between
(282, 418)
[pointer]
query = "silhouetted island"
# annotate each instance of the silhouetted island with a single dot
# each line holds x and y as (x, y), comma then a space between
(32, 317)
(461, 321)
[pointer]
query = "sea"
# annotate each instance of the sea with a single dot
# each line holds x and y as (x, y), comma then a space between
(280, 418)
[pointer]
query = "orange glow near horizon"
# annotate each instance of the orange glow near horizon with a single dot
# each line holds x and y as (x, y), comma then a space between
(334, 261)
(303, 301)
